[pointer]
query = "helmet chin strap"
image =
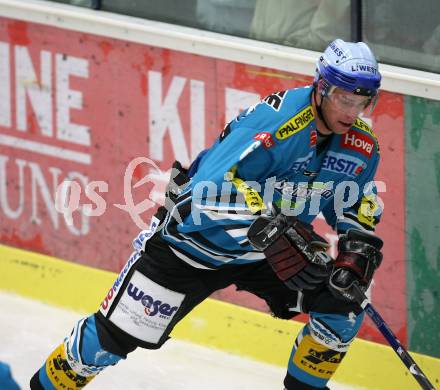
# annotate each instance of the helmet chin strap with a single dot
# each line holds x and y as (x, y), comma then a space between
(319, 109)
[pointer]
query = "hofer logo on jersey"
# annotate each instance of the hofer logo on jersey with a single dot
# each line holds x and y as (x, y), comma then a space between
(152, 306)
(266, 139)
(359, 142)
(313, 138)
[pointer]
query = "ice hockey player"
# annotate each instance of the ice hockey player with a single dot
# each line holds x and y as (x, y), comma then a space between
(241, 214)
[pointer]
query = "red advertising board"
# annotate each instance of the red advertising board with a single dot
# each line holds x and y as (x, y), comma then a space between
(106, 113)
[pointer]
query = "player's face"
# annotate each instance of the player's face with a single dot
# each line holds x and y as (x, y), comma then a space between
(341, 108)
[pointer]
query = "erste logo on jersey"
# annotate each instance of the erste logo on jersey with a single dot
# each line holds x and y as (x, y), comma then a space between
(343, 163)
(266, 139)
(294, 125)
(358, 142)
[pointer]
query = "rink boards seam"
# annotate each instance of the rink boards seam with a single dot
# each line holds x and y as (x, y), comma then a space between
(216, 324)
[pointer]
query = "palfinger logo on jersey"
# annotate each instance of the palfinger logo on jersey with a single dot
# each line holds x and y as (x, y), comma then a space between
(358, 142)
(294, 125)
(152, 306)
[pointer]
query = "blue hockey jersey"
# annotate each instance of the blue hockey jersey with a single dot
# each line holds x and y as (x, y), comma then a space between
(268, 154)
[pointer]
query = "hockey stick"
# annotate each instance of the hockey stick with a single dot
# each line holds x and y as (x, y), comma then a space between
(403, 354)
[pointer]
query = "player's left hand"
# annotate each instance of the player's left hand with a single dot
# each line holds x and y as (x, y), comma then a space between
(359, 256)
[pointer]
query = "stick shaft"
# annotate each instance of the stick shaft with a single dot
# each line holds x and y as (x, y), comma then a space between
(400, 350)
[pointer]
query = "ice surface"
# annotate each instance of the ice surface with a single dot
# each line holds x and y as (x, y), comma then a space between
(30, 330)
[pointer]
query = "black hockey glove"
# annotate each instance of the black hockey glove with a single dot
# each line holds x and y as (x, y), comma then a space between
(178, 180)
(294, 251)
(359, 256)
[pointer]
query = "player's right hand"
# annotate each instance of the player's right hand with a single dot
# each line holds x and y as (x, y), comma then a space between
(294, 251)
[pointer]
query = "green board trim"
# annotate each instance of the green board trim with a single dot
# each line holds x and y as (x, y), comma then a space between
(422, 133)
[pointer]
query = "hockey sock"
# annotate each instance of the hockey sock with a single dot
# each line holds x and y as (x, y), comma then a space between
(319, 349)
(75, 362)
